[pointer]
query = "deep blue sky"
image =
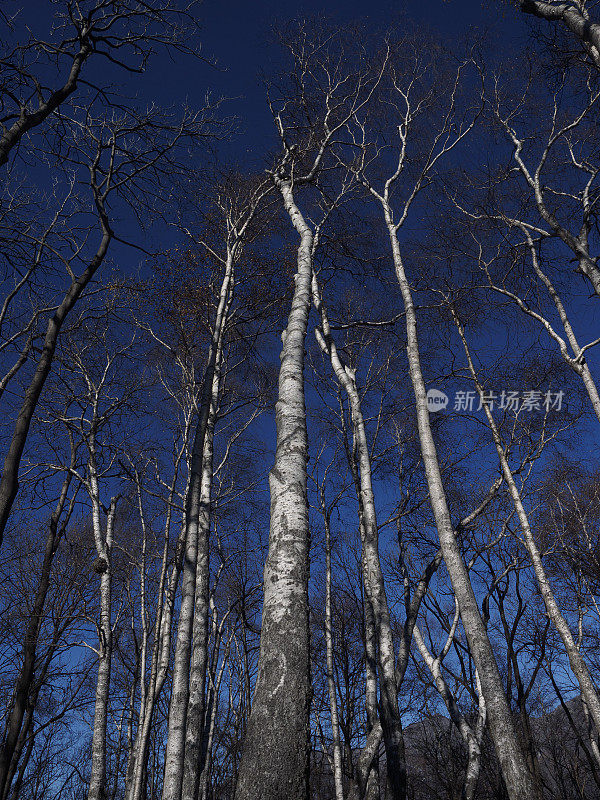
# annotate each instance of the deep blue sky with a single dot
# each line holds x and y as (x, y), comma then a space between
(236, 36)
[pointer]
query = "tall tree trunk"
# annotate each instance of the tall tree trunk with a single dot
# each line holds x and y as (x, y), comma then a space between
(27, 736)
(275, 758)
(372, 788)
(195, 722)
(369, 752)
(161, 660)
(9, 480)
(373, 577)
(576, 661)
(26, 673)
(161, 646)
(333, 706)
(519, 782)
(97, 787)
(216, 678)
(471, 737)
(195, 507)
(522, 694)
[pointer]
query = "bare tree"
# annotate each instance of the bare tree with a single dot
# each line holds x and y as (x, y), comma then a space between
(271, 764)
(238, 215)
(123, 35)
(449, 132)
(125, 155)
(373, 577)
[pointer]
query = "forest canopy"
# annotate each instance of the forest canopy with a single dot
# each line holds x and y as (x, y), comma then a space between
(299, 374)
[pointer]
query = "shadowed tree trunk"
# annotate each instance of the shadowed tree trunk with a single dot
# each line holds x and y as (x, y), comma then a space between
(9, 480)
(14, 726)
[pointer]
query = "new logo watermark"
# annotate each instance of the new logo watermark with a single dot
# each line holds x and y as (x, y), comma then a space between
(436, 400)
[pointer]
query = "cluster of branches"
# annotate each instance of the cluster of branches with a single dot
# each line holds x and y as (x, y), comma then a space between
(407, 603)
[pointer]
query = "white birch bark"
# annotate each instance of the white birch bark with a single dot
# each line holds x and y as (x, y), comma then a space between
(592, 731)
(97, 786)
(372, 574)
(574, 17)
(576, 358)
(160, 654)
(471, 737)
(333, 706)
(213, 705)
(195, 722)
(372, 787)
(175, 754)
(577, 242)
(576, 661)
(275, 757)
(519, 783)
(518, 780)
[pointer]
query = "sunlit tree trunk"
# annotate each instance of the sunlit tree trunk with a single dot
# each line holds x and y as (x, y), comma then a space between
(472, 737)
(195, 722)
(275, 757)
(195, 521)
(161, 645)
(376, 600)
(576, 661)
(573, 17)
(329, 646)
(97, 787)
(519, 783)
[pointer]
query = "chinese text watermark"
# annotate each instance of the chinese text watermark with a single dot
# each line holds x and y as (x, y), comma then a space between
(529, 400)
